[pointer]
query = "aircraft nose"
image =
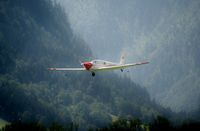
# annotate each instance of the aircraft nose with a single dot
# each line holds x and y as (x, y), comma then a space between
(87, 65)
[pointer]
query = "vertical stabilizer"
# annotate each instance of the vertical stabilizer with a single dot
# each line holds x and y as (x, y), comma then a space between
(122, 59)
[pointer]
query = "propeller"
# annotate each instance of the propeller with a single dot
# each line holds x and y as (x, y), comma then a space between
(81, 63)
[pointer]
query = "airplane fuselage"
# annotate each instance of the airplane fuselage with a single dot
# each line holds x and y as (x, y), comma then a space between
(96, 64)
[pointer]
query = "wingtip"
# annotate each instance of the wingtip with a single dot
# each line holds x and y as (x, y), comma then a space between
(145, 62)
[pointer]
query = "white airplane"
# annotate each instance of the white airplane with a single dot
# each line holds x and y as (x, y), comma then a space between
(100, 65)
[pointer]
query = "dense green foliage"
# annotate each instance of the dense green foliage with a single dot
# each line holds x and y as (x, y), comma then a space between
(35, 35)
(3, 123)
(121, 124)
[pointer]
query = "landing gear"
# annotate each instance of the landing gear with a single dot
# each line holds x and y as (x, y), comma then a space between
(121, 70)
(93, 74)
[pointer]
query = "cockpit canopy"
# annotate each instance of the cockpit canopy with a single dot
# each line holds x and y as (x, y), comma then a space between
(101, 62)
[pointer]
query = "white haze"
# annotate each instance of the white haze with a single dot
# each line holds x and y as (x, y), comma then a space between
(111, 27)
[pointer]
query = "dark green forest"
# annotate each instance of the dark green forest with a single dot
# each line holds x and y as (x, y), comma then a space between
(122, 124)
(36, 35)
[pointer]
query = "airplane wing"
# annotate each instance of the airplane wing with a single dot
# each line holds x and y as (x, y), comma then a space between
(67, 69)
(119, 66)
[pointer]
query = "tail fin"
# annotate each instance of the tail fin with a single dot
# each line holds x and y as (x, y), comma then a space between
(122, 59)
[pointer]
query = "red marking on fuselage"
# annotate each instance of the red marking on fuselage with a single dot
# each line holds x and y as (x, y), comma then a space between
(87, 65)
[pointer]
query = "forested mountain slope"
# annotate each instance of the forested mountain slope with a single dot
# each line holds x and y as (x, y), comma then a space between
(35, 35)
(172, 46)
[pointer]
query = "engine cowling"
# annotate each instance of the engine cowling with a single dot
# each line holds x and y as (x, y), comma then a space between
(87, 65)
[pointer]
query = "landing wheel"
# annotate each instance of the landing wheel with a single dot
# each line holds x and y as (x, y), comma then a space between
(93, 74)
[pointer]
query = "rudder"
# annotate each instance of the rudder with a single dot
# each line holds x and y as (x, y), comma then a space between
(122, 59)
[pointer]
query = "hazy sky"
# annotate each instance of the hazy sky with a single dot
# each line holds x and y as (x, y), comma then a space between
(111, 26)
(102, 23)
